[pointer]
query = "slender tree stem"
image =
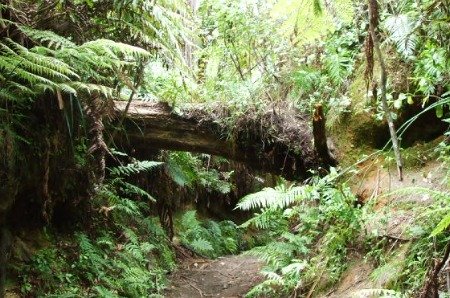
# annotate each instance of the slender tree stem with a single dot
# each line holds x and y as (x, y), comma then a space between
(137, 82)
(387, 112)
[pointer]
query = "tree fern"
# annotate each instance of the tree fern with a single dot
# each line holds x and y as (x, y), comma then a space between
(47, 38)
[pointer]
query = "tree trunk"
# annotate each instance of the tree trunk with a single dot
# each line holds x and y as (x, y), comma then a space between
(279, 143)
(320, 137)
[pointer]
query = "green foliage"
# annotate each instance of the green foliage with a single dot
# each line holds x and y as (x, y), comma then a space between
(324, 76)
(429, 238)
(279, 197)
(400, 29)
(126, 253)
(382, 293)
(188, 170)
(431, 69)
(58, 65)
(420, 34)
(134, 168)
(318, 215)
(209, 238)
(105, 265)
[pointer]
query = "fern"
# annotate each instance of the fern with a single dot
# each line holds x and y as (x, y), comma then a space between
(277, 198)
(210, 239)
(134, 168)
(131, 189)
(267, 219)
(182, 168)
(47, 38)
(442, 225)
(105, 293)
(401, 33)
(201, 245)
(384, 293)
(127, 206)
(338, 66)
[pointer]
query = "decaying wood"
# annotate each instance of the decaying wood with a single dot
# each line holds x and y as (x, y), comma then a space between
(281, 143)
(320, 137)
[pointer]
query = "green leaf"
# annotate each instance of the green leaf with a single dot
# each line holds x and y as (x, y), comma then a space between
(410, 100)
(442, 225)
(439, 111)
(397, 103)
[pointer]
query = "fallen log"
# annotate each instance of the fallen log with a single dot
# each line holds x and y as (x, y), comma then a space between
(278, 140)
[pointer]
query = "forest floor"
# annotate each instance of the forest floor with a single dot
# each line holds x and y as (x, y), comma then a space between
(394, 213)
(225, 277)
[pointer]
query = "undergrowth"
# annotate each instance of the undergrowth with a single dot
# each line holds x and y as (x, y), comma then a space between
(311, 227)
(208, 238)
(123, 253)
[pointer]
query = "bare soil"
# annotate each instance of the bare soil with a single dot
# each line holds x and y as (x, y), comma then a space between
(227, 277)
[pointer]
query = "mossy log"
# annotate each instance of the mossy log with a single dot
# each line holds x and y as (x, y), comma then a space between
(279, 140)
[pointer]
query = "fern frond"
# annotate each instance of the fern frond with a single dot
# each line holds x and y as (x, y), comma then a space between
(135, 168)
(294, 268)
(128, 207)
(131, 189)
(275, 254)
(270, 198)
(201, 245)
(189, 219)
(266, 220)
(105, 91)
(114, 49)
(337, 66)
(51, 39)
(441, 226)
(401, 33)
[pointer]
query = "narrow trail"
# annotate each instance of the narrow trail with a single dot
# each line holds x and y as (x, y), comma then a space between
(227, 277)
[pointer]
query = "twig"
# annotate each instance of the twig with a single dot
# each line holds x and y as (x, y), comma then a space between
(192, 285)
(377, 186)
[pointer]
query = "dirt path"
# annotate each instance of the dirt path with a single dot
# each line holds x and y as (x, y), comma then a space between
(227, 277)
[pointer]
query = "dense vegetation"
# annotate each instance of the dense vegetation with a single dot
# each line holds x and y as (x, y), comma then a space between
(88, 211)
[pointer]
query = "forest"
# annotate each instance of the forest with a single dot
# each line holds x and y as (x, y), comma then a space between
(225, 148)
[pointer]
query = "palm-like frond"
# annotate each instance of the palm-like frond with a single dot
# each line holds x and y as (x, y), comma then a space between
(271, 198)
(47, 38)
(401, 33)
(135, 168)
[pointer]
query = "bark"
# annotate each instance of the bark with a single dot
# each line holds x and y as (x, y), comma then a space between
(320, 137)
(279, 143)
(98, 148)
